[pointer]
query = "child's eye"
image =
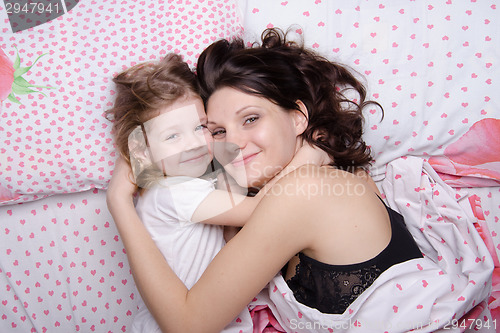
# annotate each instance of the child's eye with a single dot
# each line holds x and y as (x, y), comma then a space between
(200, 127)
(171, 137)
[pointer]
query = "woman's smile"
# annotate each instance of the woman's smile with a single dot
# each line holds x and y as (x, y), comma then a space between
(255, 135)
(245, 160)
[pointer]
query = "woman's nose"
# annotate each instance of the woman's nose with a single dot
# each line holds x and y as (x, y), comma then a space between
(235, 141)
(228, 150)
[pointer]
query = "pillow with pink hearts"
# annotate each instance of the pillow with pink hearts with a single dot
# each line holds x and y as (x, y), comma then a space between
(431, 65)
(56, 83)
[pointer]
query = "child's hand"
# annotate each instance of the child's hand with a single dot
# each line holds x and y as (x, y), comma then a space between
(121, 188)
(306, 154)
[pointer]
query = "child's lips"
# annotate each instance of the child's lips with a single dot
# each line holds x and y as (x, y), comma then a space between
(195, 158)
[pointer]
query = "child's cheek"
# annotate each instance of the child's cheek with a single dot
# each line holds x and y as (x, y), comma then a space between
(210, 143)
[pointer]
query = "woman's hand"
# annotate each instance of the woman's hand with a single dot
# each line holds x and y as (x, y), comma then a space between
(121, 188)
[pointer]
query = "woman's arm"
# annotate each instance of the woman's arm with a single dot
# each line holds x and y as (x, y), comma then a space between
(240, 270)
(142, 252)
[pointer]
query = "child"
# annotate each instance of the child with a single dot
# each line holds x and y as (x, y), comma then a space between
(160, 130)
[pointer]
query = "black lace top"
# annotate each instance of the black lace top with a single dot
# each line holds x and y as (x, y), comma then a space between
(332, 288)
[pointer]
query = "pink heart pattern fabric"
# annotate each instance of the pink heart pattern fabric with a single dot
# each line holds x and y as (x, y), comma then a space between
(60, 141)
(64, 268)
(430, 65)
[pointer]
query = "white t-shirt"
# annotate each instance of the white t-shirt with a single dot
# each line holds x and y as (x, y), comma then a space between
(166, 210)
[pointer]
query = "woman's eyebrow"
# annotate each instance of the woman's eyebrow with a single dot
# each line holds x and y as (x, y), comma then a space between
(244, 108)
(238, 111)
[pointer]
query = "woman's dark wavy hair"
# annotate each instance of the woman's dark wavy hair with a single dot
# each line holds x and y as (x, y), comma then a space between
(284, 72)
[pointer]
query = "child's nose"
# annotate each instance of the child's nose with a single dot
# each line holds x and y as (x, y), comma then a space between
(195, 140)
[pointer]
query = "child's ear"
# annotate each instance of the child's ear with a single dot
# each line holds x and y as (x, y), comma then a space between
(301, 118)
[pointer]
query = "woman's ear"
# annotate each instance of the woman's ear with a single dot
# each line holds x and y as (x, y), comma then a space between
(301, 118)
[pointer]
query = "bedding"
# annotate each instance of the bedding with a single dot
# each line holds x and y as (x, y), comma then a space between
(56, 139)
(426, 295)
(63, 267)
(432, 65)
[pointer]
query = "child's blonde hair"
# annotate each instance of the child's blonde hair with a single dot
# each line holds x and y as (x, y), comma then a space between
(142, 90)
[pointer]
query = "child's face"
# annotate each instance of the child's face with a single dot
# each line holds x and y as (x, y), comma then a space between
(179, 140)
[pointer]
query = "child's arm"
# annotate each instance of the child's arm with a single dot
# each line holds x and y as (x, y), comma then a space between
(231, 208)
(225, 208)
(228, 205)
(307, 154)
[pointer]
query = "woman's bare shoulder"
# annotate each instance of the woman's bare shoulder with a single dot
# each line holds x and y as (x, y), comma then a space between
(334, 207)
(323, 192)
(312, 171)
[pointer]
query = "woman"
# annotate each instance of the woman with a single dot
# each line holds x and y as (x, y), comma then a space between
(269, 101)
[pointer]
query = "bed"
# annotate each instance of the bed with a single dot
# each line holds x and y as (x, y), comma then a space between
(433, 65)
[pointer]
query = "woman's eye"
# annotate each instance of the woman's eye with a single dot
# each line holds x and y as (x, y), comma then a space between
(218, 133)
(251, 119)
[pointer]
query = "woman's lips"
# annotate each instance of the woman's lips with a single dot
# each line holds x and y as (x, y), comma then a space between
(244, 161)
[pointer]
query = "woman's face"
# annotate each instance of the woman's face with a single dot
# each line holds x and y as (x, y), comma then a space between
(254, 138)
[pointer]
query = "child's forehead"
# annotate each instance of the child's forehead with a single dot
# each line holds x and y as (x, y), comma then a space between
(171, 116)
(190, 110)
